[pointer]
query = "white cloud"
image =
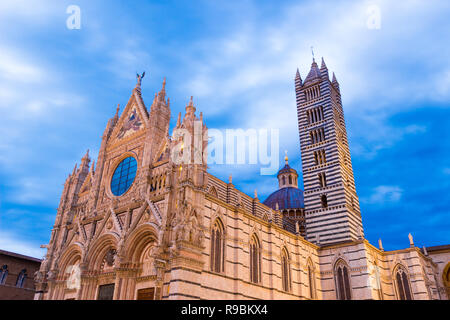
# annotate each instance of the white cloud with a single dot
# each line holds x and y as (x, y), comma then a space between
(384, 194)
(15, 67)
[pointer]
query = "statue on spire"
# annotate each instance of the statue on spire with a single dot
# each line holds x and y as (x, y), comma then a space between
(139, 78)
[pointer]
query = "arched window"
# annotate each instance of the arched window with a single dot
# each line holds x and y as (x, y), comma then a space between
(3, 274)
(217, 247)
(285, 270)
(402, 283)
(311, 281)
(284, 180)
(21, 278)
(255, 260)
(342, 281)
(290, 179)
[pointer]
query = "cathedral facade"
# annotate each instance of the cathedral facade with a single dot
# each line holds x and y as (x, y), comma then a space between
(140, 225)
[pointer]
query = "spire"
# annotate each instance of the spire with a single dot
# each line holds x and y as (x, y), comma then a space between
(116, 116)
(335, 82)
(190, 109)
(286, 159)
(323, 65)
(74, 169)
(86, 156)
(179, 120)
(298, 78)
(162, 93)
(334, 78)
(85, 162)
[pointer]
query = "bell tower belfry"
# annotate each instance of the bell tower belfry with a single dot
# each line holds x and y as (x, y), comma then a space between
(331, 203)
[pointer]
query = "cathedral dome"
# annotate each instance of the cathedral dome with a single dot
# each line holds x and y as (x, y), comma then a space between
(287, 198)
(288, 195)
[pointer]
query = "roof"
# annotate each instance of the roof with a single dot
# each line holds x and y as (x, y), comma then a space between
(287, 198)
(19, 256)
(437, 248)
(313, 74)
(287, 168)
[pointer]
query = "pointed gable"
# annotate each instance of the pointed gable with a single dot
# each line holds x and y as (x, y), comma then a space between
(133, 119)
(86, 186)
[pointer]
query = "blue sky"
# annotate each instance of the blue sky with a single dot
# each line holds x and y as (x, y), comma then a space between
(58, 88)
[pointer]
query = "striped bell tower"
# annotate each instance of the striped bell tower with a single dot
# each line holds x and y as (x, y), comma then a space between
(331, 204)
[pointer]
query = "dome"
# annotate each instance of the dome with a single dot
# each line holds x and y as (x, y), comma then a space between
(287, 198)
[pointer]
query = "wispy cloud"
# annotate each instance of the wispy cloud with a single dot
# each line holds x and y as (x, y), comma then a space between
(384, 194)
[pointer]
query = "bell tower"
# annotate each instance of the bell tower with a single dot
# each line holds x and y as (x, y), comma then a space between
(331, 204)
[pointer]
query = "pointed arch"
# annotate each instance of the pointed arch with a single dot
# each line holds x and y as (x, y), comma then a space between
(285, 269)
(21, 278)
(71, 256)
(402, 283)
(342, 280)
(212, 191)
(255, 259)
(217, 257)
(311, 279)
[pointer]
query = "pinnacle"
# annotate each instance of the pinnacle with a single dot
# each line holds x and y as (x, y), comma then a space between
(334, 78)
(297, 75)
(323, 66)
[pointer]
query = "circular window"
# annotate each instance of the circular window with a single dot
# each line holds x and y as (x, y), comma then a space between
(123, 176)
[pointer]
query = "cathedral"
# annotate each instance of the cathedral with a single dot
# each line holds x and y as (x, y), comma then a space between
(139, 225)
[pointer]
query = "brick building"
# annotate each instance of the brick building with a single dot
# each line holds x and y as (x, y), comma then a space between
(16, 276)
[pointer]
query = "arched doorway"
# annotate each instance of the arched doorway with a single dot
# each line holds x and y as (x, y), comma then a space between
(446, 279)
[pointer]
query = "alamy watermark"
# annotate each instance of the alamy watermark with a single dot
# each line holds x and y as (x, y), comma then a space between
(74, 279)
(373, 21)
(228, 146)
(73, 22)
